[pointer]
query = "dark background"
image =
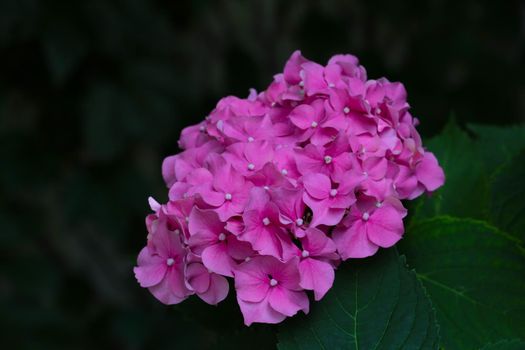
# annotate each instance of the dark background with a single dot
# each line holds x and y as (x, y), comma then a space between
(93, 95)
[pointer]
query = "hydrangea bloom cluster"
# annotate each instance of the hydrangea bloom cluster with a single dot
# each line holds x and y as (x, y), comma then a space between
(274, 190)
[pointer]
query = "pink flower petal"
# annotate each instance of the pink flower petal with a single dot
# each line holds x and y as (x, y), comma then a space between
(237, 249)
(353, 242)
(168, 170)
(385, 226)
(259, 312)
(204, 222)
(314, 80)
(251, 283)
(317, 243)
(293, 67)
(198, 277)
(216, 259)
(429, 173)
(317, 185)
(150, 275)
(218, 290)
(172, 289)
(317, 276)
(288, 302)
(303, 116)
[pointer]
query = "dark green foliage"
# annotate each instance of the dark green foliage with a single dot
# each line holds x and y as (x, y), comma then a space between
(473, 269)
(376, 303)
(481, 171)
(473, 274)
(507, 205)
(513, 344)
(498, 145)
(465, 243)
(461, 160)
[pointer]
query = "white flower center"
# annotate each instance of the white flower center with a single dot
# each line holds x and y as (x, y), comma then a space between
(273, 282)
(366, 216)
(327, 159)
(251, 139)
(299, 222)
(284, 172)
(247, 259)
(177, 232)
(251, 166)
(346, 110)
(222, 237)
(333, 192)
(266, 188)
(314, 124)
(170, 261)
(331, 85)
(379, 204)
(305, 254)
(187, 218)
(266, 221)
(378, 110)
(228, 196)
(365, 173)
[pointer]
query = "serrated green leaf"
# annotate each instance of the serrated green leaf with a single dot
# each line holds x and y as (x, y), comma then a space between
(465, 193)
(474, 275)
(469, 163)
(514, 344)
(497, 144)
(376, 303)
(507, 207)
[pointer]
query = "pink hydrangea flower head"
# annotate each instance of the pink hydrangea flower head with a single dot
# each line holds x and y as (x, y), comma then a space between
(276, 189)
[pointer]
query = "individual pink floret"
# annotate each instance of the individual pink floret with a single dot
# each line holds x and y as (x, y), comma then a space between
(268, 290)
(161, 264)
(316, 267)
(368, 227)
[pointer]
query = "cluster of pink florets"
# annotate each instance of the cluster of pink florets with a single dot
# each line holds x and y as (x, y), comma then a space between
(276, 189)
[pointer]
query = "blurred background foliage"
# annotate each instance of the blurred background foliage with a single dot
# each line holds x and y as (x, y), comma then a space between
(93, 95)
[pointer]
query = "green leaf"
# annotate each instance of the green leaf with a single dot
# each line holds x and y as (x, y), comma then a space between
(508, 193)
(468, 164)
(375, 303)
(474, 275)
(498, 145)
(465, 193)
(514, 344)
